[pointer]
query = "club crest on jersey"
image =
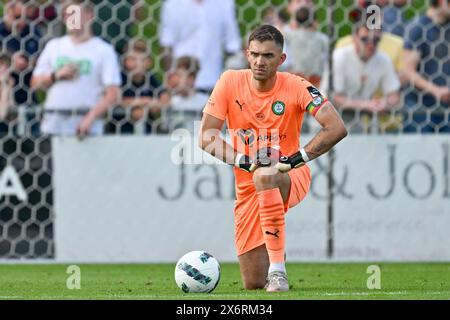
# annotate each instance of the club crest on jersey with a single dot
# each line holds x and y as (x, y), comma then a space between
(317, 101)
(278, 108)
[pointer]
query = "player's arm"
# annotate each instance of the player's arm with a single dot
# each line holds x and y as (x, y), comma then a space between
(333, 130)
(211, 141)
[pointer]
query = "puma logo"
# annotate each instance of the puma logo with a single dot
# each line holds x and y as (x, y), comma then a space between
(275, 234)
(240, 105)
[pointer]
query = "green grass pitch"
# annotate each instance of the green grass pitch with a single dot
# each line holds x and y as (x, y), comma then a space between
(156, 281)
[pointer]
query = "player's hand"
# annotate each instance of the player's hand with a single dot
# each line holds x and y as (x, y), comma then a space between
(287, 163)
(244, 162)
(266, 157)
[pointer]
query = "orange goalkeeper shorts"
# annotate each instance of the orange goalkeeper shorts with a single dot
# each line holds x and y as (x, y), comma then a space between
(247, 227)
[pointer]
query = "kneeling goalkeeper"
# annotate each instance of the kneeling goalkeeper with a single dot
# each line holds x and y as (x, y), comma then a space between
(264, 111)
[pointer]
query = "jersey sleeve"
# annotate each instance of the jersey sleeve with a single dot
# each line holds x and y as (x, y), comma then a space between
(217, 105)
(310, 98)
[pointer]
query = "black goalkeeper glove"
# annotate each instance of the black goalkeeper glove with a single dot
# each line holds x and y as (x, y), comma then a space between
(244, 162)
(296, 160)
(265, 157)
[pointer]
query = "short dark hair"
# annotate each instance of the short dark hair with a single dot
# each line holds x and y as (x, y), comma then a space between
(267, 33)
(435, 3)
(304, 16)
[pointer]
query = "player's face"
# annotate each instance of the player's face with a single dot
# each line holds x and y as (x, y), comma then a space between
(264, 59)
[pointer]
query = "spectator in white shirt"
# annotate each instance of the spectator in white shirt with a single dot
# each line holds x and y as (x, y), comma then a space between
(204, 29)
(82, 76)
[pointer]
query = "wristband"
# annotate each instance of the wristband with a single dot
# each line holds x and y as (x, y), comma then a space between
(304, 155)
(237, 159)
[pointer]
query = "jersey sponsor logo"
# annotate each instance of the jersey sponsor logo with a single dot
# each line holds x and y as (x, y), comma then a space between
(211, 102)
(260, 116)
(271, 137)
(314, 92)
(278, 108)
(247, 136)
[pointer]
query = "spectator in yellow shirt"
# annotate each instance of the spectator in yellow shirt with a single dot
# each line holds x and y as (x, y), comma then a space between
(390, 44)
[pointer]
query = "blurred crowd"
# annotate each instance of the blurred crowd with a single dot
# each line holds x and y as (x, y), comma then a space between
(390, 75)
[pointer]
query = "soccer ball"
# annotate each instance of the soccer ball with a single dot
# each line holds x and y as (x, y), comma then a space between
(197, 271)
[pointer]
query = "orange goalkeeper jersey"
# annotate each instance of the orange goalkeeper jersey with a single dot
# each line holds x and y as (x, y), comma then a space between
(258, 119)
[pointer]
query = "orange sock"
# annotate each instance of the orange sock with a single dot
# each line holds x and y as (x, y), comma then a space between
(271, 213)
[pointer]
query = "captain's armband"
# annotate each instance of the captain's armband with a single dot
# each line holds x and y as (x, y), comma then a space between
(314, 106)
(317, 100)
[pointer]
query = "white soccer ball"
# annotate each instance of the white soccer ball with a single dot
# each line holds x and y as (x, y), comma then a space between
(197, 271)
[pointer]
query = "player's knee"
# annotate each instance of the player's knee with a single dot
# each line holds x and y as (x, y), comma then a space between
(266, 178)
